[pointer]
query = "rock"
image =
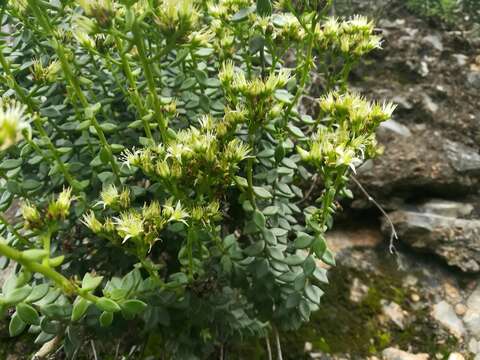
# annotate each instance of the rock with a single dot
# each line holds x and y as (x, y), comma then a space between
(462, 157)
(445, 315)
(452, 293)
(341, 239)
(456, 356)
(435, 41)
(394, 313)
(473, 79)
(358, 291)
(460, 309)
(461, 59)
(395, 127)
(472, 316)
(415, 297)
(308, 347)
(396, 354)
(429, 105)
(418, 163)
(455, 240)
(473, 346)
(446, 208)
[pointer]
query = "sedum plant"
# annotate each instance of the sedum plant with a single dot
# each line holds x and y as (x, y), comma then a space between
(160, 174)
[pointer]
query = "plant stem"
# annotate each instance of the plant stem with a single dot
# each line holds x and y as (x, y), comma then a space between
(67, 286)
(132, 83)
(75, 85)
(137, 39)
(36, 122)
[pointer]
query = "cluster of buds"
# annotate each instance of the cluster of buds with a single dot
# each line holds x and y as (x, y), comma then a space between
(114, 199)
(350, 136)
(353, 37)
(13, 123)
(31, 215)
(195, 158)
(224, 9)
(102, 11)
(177, 17)
(287, 28)
(234, 82)
(330, 148)
(57, 209)
(356, 112)
(141, 226)
(47, 74)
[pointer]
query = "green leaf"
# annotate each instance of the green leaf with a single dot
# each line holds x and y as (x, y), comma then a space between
(293, 300)
(17, 295)
(313, 293)
(283, 96)
(269, 237)
(328, 257)
(264, 7)
(106, 318)
(133, 306)
(303, 241)
(28, 314)
(108, 127)
(16, 326)
(294, 260)
(242, 14)
(296, 131)
(270, 210)
(255, 249)
(10, 164)
(262, 192)
(107, 304)
(80, 307)
(259, 219)
(90, 282)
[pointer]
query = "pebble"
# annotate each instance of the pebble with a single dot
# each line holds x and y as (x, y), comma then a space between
(445, 315)
(415, 297)
(396, 354)
(456, 356)
(460, 309)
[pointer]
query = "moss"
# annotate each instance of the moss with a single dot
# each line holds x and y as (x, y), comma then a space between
(344, 327)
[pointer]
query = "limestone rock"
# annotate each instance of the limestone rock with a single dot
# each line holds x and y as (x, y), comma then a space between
(455, 240)
(443, 312)
(396, 354)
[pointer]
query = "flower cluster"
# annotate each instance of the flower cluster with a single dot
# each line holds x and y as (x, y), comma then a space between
(355, 111)
(177, 17)
(56, 210)
(353, 37)
(195, 159)
(13, 123)
(350, 136)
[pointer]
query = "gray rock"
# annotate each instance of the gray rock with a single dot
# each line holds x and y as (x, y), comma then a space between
(435, 41)
(358, 291)
(443, 312)
(417, 163)
(472, 316)
(455, 240)
(395, 127)
(461, 59)
(429, 105)
(473, 79)
(396, 354)
(446, 208)
(456, 356)
(394, 313)
(463, 158)
(473, 346)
